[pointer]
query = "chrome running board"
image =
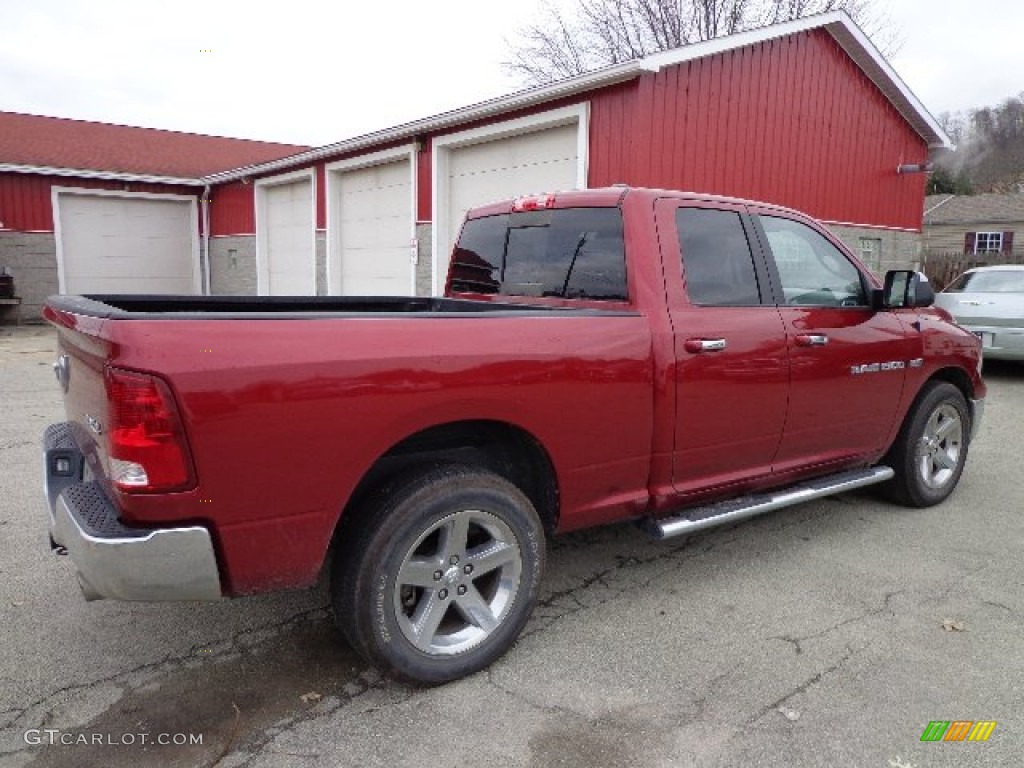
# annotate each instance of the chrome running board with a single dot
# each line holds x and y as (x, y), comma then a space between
(733, 510)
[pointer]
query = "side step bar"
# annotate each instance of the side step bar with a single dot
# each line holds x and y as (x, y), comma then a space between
(734, 510)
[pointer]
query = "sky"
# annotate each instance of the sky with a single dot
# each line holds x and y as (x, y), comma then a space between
(315, 73)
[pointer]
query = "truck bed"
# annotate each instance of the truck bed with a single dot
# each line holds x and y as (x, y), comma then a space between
(284, 418)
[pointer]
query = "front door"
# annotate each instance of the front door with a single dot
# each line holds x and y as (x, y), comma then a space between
(847, 361)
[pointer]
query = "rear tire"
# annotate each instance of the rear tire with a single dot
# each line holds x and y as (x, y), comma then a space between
(439, 575)
(930, 451)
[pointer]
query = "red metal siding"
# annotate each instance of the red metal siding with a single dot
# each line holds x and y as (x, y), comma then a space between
(26, 205)
(233, 206)
(232, 209)
(792, 121)
(321, 196)
(424, 181)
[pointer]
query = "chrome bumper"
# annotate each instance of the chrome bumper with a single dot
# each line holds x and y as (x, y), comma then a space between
(114, 560)
(977, 414)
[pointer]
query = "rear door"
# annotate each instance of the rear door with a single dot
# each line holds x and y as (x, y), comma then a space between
(847, 361)
(731, 377)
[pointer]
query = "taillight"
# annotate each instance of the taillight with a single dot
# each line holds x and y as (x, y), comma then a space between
(145, 440)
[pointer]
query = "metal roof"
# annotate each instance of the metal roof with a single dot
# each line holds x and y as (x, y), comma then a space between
(57, 146)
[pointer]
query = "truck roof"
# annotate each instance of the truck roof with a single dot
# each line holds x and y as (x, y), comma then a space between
(607, 197)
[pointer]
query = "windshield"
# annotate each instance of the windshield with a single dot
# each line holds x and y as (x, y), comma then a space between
(1000, 281)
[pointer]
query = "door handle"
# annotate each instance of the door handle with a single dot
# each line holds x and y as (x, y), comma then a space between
(811, 340)
(704, 345)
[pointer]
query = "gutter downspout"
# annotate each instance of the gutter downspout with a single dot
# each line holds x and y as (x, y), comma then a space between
(207, 287)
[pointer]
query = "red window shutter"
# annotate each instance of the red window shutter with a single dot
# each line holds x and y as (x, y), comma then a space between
(1007, 242)
(969, 242)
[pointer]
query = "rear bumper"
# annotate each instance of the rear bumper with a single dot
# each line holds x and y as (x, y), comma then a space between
(998, 342)
(114, 560)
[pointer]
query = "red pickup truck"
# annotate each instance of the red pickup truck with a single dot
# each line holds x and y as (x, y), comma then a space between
(604, 355)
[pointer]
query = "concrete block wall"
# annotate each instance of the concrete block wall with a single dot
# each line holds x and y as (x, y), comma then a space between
(32, 260)
(233, 265)
(320, 245)
(424, 264)
(898, 249)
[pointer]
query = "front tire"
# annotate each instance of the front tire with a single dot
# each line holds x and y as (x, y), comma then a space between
(929, 454)
(439, 576)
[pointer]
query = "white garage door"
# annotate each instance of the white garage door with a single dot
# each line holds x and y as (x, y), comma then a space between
(542, 161)
(374, 230)
(286, 247)
(116, 244)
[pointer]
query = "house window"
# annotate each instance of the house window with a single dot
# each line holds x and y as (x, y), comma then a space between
(988, 242)
(871, 252)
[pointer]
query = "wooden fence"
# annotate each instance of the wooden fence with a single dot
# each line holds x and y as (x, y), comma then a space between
(942, 267)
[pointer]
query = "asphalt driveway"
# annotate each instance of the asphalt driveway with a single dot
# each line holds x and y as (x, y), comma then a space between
(826, 634)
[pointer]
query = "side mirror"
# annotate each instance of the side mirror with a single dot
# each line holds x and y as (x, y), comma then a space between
(904, 289)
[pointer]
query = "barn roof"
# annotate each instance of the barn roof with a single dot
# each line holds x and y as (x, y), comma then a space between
(837, 23)
(38, 144)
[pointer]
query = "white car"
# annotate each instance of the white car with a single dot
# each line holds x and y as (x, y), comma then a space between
(989, 302)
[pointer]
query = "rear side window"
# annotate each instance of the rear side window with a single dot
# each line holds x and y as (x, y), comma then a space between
(477, 259)
(572, 253)
(717, 261)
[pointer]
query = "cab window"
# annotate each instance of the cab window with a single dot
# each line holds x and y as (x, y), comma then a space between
(570, 253)
(718, 266)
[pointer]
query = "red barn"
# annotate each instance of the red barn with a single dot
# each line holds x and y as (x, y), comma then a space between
(88, 207)
(807, 114)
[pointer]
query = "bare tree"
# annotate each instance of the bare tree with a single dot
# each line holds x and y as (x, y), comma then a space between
(989, 154)
(955, 126)
(599, 33)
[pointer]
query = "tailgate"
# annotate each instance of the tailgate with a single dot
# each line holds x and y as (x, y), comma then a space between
(82, 352)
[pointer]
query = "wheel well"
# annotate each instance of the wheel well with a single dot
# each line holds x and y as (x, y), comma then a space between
(501, 448)
(957, 378)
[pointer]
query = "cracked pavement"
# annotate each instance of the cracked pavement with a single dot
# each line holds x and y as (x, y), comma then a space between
(807, 637)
